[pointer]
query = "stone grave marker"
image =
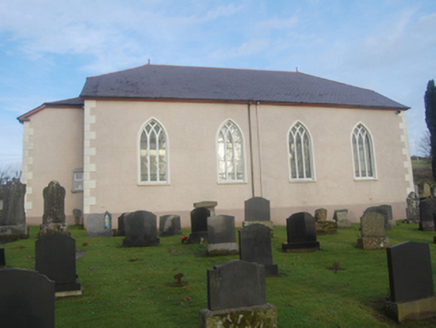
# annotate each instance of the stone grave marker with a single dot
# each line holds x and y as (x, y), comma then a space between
(12, 215)
(199, 224)
(2, 257)
(210, 205)
(99, 225)
(53, 219)
(141, 229)
(412, 210)
(426, 215)
(221, 236)
(169, 225)
(341, 219)
(323, 226)
(120, 230)
(237, 294)
(255, 246)
(301, 233)
(27, 299)
(78, 216)
(257, 210)
(373, 235)
(410, 282)
(425, 190)
(386, 212)
(55, 257)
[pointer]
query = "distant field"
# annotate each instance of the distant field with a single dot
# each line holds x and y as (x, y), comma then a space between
(422, 170)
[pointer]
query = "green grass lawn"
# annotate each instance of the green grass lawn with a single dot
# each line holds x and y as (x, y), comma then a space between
(130, 287)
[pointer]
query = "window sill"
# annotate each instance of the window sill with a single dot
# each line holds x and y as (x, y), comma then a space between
(302, 180)
(365, 179)
(152, 184)
(234, 182)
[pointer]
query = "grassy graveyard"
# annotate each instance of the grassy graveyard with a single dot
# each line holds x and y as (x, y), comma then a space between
(132, 287)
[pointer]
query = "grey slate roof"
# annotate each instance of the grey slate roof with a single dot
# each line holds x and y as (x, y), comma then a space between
(223, 84)
(67, 102)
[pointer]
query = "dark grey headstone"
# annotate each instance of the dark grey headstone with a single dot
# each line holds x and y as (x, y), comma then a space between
(221, 229)
(257, 209)
(255, 246)
(412, 210)
(120, 230)
(199, 224)
(169, 225)
(27, 299)
(236, 284)
(2, 257)
(426, 210)
(301, 232)
(99, 225)
(141, 229)
(385, 211)
(55, 257)
(410, 272)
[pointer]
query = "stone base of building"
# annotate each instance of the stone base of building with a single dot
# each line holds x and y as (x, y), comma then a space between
(48, 228)
(303, 247)
(269, 224)
(326, 227)
(372, 243)
(253, 316)
(13, 233)
(198, 237)
(222, 249)
(417, 310)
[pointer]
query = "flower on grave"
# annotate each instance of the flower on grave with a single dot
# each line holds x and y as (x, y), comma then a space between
(185, 240)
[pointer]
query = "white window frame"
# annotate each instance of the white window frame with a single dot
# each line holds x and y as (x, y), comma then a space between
(77, 182)
(303, 132)
(228, 180)
(360, 130)
(167, 175)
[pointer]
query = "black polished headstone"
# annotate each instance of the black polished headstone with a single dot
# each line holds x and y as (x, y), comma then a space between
(426, 210)
(255, 246)
(199, 224)
(236, 284)
(410, 272)
(120, 230)
(301, 232)
(27, 299)
(257, 209)
(169, 225)
(141, 229)
(55, 257)
(2, 257)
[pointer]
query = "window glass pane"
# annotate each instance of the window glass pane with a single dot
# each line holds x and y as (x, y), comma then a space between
(307, 164)
(300, 153)
(153, 153)
(230, 153)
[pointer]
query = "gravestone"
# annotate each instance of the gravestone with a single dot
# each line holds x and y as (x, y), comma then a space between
(257, 210)
(141, 229)
(425, 190)
(301, 233)
(55, 257)
(341, 219)
(255, 246)
(237, 294)
(426, 215)
(2, 257)
(169, 225)
(412, 210)
(12, 215)
(78, 216)
(53, 219)
(120, 230)
(324, 227)
(99, 225)
(373, 232)
(221, 237)
(386, 212)
(199, 225)
(210, 205)
(410, 282)
(27, 299)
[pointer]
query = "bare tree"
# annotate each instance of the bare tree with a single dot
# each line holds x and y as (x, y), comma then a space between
(8, 173)
(424, 146)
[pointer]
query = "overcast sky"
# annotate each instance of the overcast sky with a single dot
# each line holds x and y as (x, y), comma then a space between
(49, 47)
